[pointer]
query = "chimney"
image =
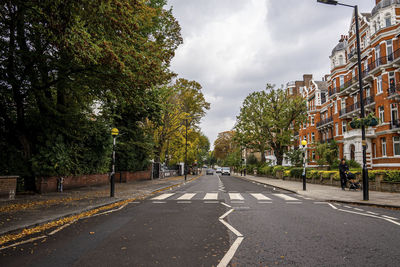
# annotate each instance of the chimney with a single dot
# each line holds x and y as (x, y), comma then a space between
(377, 1)
(307, 78)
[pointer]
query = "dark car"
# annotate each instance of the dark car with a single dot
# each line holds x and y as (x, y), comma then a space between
(209, 172)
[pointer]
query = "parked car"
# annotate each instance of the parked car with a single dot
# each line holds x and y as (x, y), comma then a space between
(219, 170)
(210, 171)
(226, 171)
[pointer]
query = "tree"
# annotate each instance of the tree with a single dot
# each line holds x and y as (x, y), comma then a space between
(70, 70)
(183, 105)
(224, 144)
(327, 153)
(268, 119)
(295, 157)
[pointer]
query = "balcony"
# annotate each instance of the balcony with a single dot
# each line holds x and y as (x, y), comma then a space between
(324, 122)
(356, 133)
(395, 124)
(352, 55)
(394, 91)
(393, 57)
(354, 107)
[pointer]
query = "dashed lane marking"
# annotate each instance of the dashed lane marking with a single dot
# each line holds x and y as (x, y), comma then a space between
(388, 217)
(159, 202)
(264, 202)
(211, 202)
(294, 202)
(184, 202)
(235, 196)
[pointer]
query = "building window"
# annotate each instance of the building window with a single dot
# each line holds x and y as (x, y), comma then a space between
(396, 145)
(389, 50)
(343, 104)
(379, 85)
(392, 80)
(388, 20)
(394, 114)
(377, 55)
(344, 126)
(308, 138)
(312, 120)
(312, 137)
(341, 60)
(381, 110)
(313, 155)
(337, 129)
(341, 81)
(368, 92)
(353, 73)
(335, 104)
(383, 144)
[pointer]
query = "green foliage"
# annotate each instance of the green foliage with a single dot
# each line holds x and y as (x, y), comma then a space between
(327, 153)
(266, 120)
(295, 156)
(335, 164)
(277, 168)
(353, 164)
(266, 170)
(296, 172)
(252, 160)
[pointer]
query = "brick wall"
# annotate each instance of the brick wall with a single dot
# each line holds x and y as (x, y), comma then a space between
(7, 183)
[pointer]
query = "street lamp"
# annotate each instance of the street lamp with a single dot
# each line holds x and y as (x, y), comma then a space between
(304, 144)
(186, 126)
(114, 133)
(364, 143)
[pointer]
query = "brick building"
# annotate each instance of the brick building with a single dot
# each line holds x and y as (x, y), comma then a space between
(335, 102)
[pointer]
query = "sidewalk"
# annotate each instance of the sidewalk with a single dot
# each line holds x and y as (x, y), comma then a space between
(31, 210)
(331, 193)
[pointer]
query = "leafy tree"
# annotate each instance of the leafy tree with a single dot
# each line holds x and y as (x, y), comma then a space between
(73, 69)
(295, 156)
(224, 145)
(326, 153)
(268, 119)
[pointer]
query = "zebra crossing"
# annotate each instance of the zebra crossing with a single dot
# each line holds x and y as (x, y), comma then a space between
(184, 197)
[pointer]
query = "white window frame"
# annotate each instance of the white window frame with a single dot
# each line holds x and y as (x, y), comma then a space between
(379, 89)
(381, 114)
(394, 110)
(341, 81)
(312, 121)
(336, 109)
(388, 18)
(383, 147)
(312, 137)
(389, 52)
(396, 141)
(344, 127)
(337, 128)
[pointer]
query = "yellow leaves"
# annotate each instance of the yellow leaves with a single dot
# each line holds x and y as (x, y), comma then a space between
(34, 230)
(35, 204)
(92, 233)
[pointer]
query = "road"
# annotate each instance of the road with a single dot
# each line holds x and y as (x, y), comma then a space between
(222, 220)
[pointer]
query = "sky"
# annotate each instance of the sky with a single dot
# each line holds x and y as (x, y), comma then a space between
(235, 47)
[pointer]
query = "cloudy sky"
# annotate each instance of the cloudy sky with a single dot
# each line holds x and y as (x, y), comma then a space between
(235, 47)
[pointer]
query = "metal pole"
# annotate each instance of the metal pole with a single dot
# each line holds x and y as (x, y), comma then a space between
(112, 180)
(304, 168)
(186, 149)
(364, 143)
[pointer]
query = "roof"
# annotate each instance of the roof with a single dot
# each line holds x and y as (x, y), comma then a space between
(322, 85)
(383, 4)
(340, 46)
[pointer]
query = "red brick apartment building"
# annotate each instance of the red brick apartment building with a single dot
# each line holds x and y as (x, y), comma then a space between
(334, 102)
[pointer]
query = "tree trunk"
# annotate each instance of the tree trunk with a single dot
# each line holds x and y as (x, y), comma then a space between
(278, 151)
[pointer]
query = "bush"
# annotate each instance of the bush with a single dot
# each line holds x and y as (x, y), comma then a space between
(286, 173)
(296, 172)
(327, 174)
(335, 164)
(392, 176)
(277, 168)
(265, 170)
(353, 164)
(312, 174)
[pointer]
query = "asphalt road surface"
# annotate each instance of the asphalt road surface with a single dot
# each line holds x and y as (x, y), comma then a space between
(222, 220)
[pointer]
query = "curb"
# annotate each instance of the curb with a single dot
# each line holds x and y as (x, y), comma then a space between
(387, 206)
(96, 207)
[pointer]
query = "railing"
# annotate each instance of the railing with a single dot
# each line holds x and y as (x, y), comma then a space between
(325, 121)
(352, 53)
(394, 124)
(369, 100)
(393, 89)
(349, 108)
(384, 60)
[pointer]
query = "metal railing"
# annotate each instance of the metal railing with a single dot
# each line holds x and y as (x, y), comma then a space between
(393, 89)
(394, 124)
(325, 121)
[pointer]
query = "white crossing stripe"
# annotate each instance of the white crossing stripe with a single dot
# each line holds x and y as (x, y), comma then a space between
(285, 197)
(209, 196)
(163, 196)
(235, 196)
(259, 196)
(186, 196)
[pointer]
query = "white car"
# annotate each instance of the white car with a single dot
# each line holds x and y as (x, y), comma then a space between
(219, 170)
(226, 171)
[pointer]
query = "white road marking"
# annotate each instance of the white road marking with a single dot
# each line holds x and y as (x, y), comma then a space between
(231, 252)
(370, 212)
(358, 209)
(388, 217)
(223, 203)
(230, 227)
(294, 202)
(24, 242)
(211, 196)
(264, 202)
(259, 196)
(186, 196)
(333, 207)
(211, 202)
(348, 207)
(235, 196)
(285, 197)
(319, 202)
(163, 196)
(159, 202)
(184, 202)
(237, 202)
(226, 214)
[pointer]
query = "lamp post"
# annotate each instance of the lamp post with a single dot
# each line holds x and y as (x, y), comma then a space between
(304, 144)
(364, 143)
(186, 125)
(114, 133)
